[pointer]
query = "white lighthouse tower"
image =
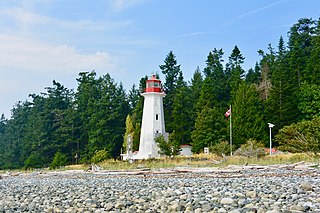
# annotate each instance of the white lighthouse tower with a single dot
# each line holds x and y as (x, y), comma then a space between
(152, 119)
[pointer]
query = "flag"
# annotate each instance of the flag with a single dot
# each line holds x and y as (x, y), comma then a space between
(227, 114)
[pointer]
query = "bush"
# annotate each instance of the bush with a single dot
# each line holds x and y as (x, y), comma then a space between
(100, 156)
(301, 137)
(58, 160)
(251, 148)
(220, 149)
(168, 148)
(35, 160)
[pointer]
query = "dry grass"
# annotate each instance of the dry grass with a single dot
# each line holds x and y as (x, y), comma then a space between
(270, 160)
(200, 160)
(77, 167)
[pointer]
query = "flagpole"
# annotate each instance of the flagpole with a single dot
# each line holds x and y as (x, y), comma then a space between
(230, 131)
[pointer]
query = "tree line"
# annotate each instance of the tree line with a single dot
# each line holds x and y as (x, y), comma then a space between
(78, 126)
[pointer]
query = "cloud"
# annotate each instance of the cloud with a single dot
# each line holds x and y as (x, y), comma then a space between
(231, 21)
(120, 5)
(27, 66)
(27, 19)
(21, 53)
(194, 34)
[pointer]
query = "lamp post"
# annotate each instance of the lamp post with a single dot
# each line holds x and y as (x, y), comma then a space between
(270, 127)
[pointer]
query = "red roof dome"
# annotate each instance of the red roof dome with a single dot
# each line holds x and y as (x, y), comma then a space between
(153, 84)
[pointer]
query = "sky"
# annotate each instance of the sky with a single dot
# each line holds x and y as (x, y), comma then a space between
(46, 40)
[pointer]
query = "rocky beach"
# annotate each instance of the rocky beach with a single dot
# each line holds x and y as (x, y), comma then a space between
(278, 188)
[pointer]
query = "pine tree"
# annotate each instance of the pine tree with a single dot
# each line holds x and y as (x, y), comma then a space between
(171, 71)
(181, 114)
(195, 87)
(214, 91)
(253, 76)
(133, 98)
(210, 129)
(309, 101)
(247, 115)
(234, 71)
(313, 63)
(300, 47)
(279, 105)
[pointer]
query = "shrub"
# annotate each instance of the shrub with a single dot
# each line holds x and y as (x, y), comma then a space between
(251, 148)
(100, 156)
(220, 149)
(35, 160)
(59, 160)
(168, 148)
(300, 137)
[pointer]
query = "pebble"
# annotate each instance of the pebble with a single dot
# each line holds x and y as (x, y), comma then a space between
(285, 191)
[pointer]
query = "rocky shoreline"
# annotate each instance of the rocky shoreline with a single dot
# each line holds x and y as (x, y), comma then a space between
(279, 188)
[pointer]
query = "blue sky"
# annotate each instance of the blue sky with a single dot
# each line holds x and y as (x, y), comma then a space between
(42, 40)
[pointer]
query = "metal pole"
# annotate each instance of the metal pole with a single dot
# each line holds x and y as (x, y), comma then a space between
(230, 131)
(270, 142)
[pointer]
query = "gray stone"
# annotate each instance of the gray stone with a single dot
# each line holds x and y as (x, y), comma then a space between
(252, 194)
(306, 186)
(297, 208)
(250, 206)
(235, 211)
(226, 201)
(222, 210)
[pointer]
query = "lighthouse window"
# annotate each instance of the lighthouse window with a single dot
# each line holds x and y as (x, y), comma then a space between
(157, 117)
(153, 84)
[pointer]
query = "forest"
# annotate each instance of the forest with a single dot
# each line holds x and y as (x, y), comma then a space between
(78, 126)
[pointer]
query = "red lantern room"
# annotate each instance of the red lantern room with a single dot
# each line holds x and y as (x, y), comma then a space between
(153, 84)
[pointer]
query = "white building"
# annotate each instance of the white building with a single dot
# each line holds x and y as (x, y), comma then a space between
(152, 119)
(185, 150)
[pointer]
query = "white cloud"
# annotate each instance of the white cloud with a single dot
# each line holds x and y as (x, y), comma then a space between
(27, 66)
(21, 53)
(119, 5)
(252, 12)
(27, 19)
(32, 54)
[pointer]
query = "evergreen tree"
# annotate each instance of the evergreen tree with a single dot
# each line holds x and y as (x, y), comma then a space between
(171, 71)
(181, 114)
(107, 121)
(195, 87)
(14, 137)
(133, 98)
(300, 45)
(253, 76)
(210, 128)
(313, 64)
(3, 123)
(247, 115)
(309, 101)
(234, 70)
(87, 93)
(280, 104)
(214, 91)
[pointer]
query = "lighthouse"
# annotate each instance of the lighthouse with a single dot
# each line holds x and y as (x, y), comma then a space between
(152, 119)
